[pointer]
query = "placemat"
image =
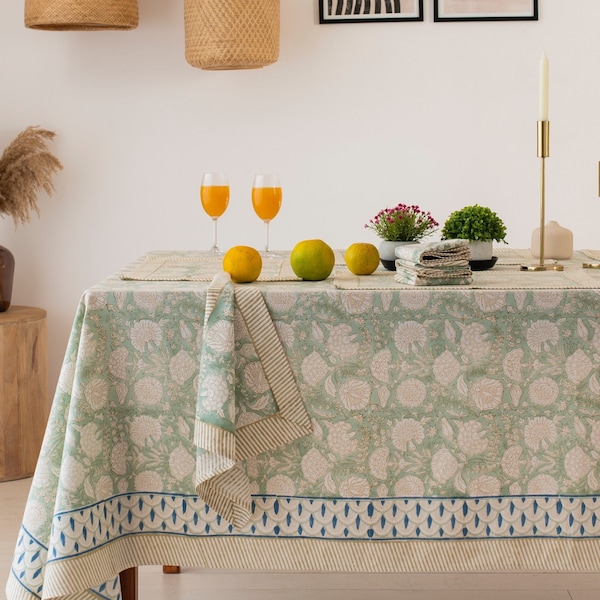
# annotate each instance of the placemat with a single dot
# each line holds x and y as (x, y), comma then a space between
(197, 266)
(171, 265)
(506, 275)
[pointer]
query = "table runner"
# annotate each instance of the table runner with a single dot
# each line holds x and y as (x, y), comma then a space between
(168, 265)
(200, 266)
(506, 275)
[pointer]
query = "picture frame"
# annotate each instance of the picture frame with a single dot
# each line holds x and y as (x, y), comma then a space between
(485, 10)
(369, 11)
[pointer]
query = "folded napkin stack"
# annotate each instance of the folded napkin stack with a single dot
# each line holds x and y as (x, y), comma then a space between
(434, 263)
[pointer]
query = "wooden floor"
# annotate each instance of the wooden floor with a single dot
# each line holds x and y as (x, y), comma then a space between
(196, 584)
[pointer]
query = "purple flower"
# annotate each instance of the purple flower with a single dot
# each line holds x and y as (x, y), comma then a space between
(402, 223)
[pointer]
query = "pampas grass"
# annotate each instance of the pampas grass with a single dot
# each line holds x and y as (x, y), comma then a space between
(26, 168)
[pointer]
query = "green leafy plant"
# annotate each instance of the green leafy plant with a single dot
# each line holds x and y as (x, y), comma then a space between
(402, 223)
(474, 223)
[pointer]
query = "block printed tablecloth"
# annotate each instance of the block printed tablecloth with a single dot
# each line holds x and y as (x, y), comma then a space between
(450, 430)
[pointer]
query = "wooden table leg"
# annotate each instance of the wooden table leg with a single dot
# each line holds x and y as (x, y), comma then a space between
(129, 583)
(171, 569)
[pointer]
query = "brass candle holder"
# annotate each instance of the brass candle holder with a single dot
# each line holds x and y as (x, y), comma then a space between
(543, 152)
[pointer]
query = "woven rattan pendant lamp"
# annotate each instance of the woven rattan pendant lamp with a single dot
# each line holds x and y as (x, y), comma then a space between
(231, 34)
(81, 15)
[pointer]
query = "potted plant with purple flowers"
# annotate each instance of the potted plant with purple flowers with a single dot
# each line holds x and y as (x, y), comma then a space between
(402, 224)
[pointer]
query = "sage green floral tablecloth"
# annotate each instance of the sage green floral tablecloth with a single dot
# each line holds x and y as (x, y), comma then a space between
(327, 426)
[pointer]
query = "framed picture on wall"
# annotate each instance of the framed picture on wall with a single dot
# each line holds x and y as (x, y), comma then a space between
(361, 11)
(485, 10)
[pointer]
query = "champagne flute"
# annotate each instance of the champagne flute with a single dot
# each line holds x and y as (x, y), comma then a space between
(266, 201)
(214, 195)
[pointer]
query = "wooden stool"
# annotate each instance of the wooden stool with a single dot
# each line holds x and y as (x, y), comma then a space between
(24, 405)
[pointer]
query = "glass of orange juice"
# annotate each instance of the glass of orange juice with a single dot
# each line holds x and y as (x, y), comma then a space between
(266, 201)
(214, 195)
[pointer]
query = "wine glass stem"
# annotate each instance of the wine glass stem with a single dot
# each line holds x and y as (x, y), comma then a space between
(267, 237)
(215, 248)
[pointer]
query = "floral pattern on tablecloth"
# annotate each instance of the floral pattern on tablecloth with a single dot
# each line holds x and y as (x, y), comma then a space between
(416, 394)
(464, 394)
(429, 408)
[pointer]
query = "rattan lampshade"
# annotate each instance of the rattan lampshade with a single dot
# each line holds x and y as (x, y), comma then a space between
(83, 15)
(231, 34)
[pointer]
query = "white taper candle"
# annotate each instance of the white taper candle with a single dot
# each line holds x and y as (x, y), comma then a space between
(544, 76)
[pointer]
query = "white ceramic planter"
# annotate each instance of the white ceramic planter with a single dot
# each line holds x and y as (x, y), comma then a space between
(481, 250)
(387, 253)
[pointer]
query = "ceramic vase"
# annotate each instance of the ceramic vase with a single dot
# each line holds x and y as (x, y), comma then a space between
(7, 272)
(387, 253)
(558, 242)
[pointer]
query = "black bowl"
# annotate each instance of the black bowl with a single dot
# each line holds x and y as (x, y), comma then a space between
(483, 265)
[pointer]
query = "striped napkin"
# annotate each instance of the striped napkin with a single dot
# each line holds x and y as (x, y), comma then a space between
(434, 263)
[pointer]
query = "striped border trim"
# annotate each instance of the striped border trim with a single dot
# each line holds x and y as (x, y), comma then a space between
(69, 577)
(213, 292)
(227, 489)
(213, 439)
(267, 434)
(293, 420)
(228, 494)
(272, 356)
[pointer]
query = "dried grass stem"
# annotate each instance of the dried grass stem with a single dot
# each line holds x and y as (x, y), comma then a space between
(26, 168)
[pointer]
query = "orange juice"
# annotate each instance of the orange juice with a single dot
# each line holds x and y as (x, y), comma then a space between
(266, 202)
(215, 199)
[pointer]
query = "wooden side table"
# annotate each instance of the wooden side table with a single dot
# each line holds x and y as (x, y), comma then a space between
(24, 405)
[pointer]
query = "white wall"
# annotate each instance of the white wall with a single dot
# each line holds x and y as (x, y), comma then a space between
(353, 118)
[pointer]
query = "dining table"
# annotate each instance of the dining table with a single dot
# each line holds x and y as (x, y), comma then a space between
(354, 424)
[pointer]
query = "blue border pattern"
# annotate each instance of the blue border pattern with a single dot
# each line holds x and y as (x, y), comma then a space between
(83, 530)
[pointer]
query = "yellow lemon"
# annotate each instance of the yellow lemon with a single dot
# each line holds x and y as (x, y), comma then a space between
(312, 260)
(362, 258)
(243, 263)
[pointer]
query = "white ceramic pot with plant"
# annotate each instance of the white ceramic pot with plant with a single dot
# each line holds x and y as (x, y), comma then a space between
(481, 250)
(400, 225)
(478, 224)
